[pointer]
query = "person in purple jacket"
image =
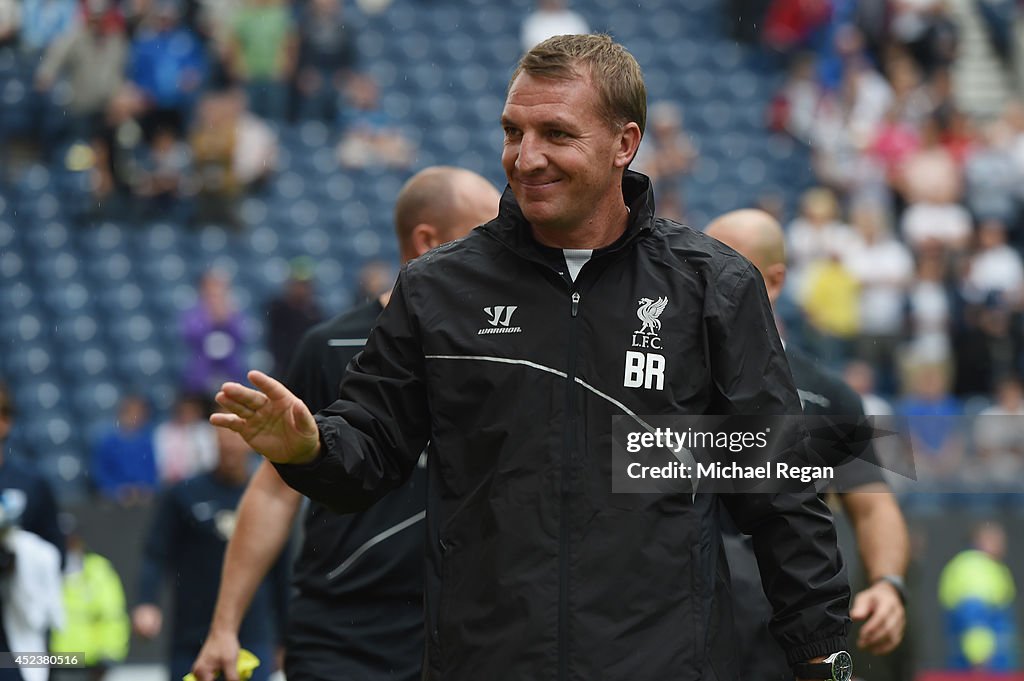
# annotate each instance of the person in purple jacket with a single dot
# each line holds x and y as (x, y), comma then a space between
(214, 333)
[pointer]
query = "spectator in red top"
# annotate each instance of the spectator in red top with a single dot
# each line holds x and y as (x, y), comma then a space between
(790, 24)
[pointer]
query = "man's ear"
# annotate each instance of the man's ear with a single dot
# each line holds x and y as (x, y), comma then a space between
(423, 238)
(629, 142)
(774, 279)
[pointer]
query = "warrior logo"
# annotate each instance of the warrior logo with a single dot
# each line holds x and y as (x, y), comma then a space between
(500, 319)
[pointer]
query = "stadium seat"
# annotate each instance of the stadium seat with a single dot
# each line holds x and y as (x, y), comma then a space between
(50, 431)
(95, 401)
(67, 297)
(132, 330)
(253, 212)
(58, 266)
(371, 43)
(77, 329)
(38, 396)
(104, 238)
(414, 47)
(12, 265)
(120, 299)
(313, 134)
(86, 362)
(289, 186)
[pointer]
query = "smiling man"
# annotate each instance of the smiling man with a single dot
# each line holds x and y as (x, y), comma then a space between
(511, 351)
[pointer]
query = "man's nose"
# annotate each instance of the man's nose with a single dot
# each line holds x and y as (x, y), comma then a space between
(531, 154)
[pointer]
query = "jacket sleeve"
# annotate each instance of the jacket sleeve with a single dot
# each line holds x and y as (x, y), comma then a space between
(372, 436)
(793, 534)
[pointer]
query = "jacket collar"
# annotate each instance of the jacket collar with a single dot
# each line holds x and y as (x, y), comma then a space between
(513, 230)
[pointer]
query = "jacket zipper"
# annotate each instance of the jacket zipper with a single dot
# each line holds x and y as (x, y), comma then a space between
(567, 452)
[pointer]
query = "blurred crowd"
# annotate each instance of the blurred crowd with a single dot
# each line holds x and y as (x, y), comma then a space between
(172, 106)
(141, 452)
(905, 258)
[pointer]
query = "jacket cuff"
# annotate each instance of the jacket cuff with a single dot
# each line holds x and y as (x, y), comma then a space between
(805, 652)
(308, 467)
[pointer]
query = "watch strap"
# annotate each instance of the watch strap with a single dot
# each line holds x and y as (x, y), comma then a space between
(897, 583)
(813, 670)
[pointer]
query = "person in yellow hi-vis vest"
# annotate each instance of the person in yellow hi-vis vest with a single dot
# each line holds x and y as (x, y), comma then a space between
(96, 621)
(976, 590)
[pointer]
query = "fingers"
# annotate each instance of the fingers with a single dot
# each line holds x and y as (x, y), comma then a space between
(886, 619)
(203, 672)
(885, 638)
(237, 393)
(208, 670)
(229, 421)
(233, 406)
(862, 605)
(243, 401)
(272, 388)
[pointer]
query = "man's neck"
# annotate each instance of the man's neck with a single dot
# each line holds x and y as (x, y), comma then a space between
(602, 230)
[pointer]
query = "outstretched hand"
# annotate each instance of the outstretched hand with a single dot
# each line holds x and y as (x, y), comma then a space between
(274, 422)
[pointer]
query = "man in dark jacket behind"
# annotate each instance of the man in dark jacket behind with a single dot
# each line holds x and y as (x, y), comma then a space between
(510, 351)
(882, 538)
(357, 599)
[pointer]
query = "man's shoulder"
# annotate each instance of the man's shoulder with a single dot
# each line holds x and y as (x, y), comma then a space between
(474, 252)
(475, 244)
(821, 390)
(683, 243)
(355, 322)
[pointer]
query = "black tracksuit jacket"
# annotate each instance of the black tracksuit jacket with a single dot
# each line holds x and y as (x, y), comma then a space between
(536, 571)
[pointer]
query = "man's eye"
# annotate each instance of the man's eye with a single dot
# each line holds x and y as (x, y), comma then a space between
(558, 134)
(511, 132)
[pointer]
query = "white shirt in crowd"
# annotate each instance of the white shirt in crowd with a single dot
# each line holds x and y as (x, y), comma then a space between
(543, 24)
(807, 244)
(929, 317)
(184, 450)
(998, 434)
(996, 270)
(948, 223)
(884, 270)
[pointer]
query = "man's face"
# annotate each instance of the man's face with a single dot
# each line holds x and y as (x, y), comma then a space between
(561, 156)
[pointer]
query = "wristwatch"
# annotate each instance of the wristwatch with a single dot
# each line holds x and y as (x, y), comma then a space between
(897, 583)
(836, 667)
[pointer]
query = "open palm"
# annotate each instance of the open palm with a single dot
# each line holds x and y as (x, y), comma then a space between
(270, 418)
